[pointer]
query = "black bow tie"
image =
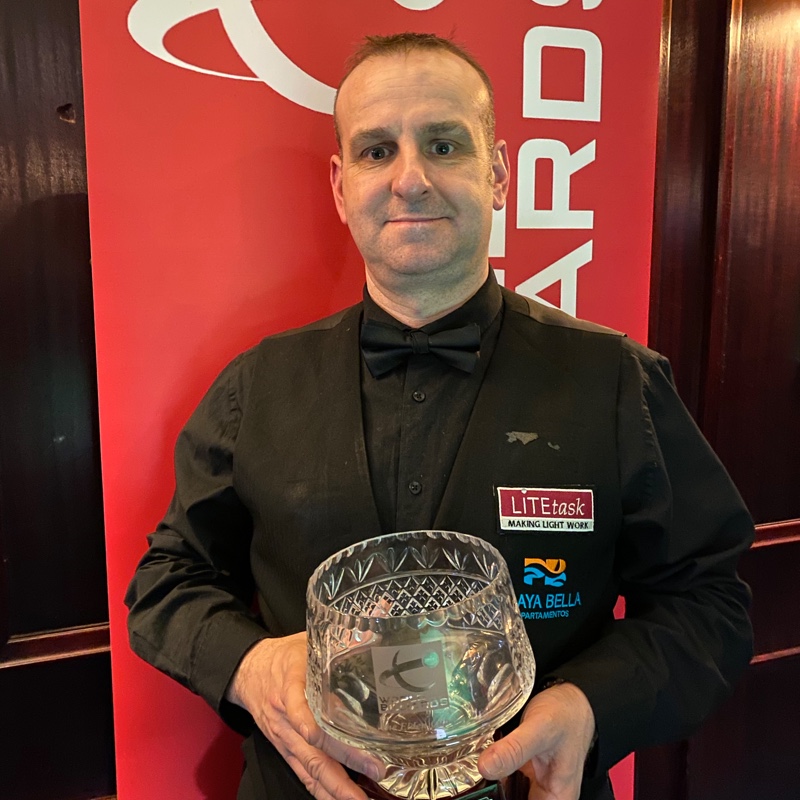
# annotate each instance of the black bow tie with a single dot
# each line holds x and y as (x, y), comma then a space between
(385, 346)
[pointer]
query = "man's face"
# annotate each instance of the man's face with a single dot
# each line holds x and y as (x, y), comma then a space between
(416, 181)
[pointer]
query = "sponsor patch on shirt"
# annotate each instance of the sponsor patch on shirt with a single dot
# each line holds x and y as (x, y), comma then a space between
(553, 510)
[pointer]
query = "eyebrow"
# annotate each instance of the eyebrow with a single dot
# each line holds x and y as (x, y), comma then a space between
(364, 137)
(445, 127)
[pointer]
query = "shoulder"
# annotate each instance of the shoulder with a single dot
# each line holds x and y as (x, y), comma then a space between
(539, 314)
(559, 337)
(235, 379)
(308, 347)
(340, 321)
(557, 325)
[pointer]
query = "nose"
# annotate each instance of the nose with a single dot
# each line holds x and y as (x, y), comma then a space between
(410, 179)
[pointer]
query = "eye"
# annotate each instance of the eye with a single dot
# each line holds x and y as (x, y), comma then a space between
(443, 148)
(377, 153)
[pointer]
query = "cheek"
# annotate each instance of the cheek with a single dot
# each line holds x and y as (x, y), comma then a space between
(471, 187)
(477, 199)
(361, 201)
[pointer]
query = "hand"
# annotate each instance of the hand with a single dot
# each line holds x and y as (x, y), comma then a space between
(549, 746)
(270, 683)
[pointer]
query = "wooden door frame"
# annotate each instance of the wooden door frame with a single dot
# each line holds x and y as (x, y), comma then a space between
(693, 57)
(689, 193)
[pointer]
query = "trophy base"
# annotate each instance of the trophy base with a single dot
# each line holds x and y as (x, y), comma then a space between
(485, 790)
(432, 776)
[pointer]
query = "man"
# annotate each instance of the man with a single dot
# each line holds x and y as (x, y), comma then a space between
(307, 444)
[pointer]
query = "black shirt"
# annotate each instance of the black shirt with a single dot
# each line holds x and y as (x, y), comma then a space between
(416, 414)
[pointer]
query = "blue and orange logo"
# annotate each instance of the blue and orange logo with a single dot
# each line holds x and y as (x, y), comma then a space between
(553, 571)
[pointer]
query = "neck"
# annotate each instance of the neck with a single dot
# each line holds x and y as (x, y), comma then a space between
(420, 306)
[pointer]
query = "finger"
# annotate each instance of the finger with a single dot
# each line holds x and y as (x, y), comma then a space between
(537, 733)
(323, 774)
(298, 713)
(302, 720)
(536, 792)
(309, 765)
(503, 757)
(323, 767)
(353, 757)
(314, 788)
(285, 750)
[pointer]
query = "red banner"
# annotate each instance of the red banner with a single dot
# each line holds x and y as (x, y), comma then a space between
(208, 138)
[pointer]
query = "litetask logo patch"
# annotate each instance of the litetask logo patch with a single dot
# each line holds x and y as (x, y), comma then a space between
(535, 509)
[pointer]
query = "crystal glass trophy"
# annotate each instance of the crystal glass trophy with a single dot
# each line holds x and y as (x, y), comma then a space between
(417, 653)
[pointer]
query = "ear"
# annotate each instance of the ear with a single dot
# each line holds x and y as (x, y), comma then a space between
(501, 174)
(336, 186)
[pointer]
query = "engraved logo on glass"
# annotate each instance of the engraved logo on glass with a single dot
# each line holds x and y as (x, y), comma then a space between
(412, 669)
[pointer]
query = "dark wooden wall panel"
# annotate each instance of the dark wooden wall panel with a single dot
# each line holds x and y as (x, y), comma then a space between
(752, 408)
(728, 316)
(772, 570)
(690, 108)
(749, 750)
(57, 730)
(50, 495)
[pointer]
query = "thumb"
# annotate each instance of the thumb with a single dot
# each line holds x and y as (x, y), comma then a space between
(513, 751)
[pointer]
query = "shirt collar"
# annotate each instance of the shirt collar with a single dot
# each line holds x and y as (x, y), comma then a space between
(482, 308)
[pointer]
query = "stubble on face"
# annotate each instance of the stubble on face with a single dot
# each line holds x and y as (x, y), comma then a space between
(415, 181)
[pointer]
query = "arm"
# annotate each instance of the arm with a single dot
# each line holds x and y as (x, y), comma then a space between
(190, 604)
(191, 595)
(686, 638)
(657, 674)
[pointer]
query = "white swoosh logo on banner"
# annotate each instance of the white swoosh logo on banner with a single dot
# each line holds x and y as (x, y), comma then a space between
(418, 5)
(149, 21)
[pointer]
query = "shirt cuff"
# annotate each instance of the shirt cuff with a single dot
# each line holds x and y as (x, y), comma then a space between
(220, 648)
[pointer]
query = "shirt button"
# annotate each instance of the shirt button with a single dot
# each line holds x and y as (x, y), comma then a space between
(415, 487)
(418, 396)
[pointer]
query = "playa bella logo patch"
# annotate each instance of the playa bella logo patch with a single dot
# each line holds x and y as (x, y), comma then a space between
(547, 510)
(551, 571)
(547, 574)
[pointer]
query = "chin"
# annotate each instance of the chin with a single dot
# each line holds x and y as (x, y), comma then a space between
(410, 261)
(412, 269)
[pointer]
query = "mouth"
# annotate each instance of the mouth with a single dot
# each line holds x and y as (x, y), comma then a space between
(413, 220)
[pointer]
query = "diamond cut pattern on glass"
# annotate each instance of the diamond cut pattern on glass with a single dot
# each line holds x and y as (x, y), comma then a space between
(448, 597)
(412, 595)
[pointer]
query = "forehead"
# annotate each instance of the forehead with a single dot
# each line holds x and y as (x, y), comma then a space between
(415, 88)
